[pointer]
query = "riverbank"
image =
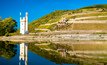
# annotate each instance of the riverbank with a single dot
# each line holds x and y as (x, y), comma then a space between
(33, 38)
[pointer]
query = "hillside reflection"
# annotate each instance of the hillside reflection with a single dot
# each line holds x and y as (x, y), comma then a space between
(74, 52)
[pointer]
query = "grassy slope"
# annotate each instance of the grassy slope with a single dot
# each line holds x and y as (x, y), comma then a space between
(46, 26)
(43, 20)
(102, 18)
(89, 26)
(96, 6)
(57, 15)
(87, 15)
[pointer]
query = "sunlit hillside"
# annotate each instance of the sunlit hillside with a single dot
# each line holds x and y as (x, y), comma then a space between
(90, 13)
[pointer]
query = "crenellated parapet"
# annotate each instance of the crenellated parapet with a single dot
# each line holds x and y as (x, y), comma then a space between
(23, 20)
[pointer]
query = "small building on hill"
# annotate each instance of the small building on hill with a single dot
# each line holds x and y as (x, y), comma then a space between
(62, 22)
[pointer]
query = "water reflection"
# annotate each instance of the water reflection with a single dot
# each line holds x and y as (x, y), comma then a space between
(63, 52)
(75, 53)
(53, 54)
(23, 53)
(7, 50)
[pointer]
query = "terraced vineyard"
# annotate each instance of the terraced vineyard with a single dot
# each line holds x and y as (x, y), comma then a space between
(75, 17)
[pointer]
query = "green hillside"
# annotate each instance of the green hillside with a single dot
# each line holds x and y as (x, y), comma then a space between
(96, 6)
(52, 17)
(95, 10)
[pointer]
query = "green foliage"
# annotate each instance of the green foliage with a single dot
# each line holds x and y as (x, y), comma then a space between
(46, 26)
(7, 50)
(74, 56)
(7, 26)
(2, 29)
(85, 10)
(7, 34)
(43, 20)
(99, 35)
(95, 6)
(77, 32)
(53, 20)
(57, 15)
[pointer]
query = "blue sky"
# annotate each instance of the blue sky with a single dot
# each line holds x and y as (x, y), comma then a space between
(39, 8)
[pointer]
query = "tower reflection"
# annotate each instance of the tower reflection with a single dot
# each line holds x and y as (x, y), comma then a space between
(23, 53)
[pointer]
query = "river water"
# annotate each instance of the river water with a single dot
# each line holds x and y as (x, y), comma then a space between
(49, 53)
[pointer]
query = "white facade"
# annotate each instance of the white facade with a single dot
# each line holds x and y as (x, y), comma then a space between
(23, 52)
(24, 24)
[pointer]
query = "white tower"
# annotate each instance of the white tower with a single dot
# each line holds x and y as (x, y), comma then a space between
(23, 52)
(24, 24)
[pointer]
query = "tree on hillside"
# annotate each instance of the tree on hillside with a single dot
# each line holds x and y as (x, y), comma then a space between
(2, 29)
(0, 19)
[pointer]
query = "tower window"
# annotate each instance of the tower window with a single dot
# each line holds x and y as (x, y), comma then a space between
(22, 23)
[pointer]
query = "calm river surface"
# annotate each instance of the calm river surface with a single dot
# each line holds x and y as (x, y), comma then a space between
(49, 53)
